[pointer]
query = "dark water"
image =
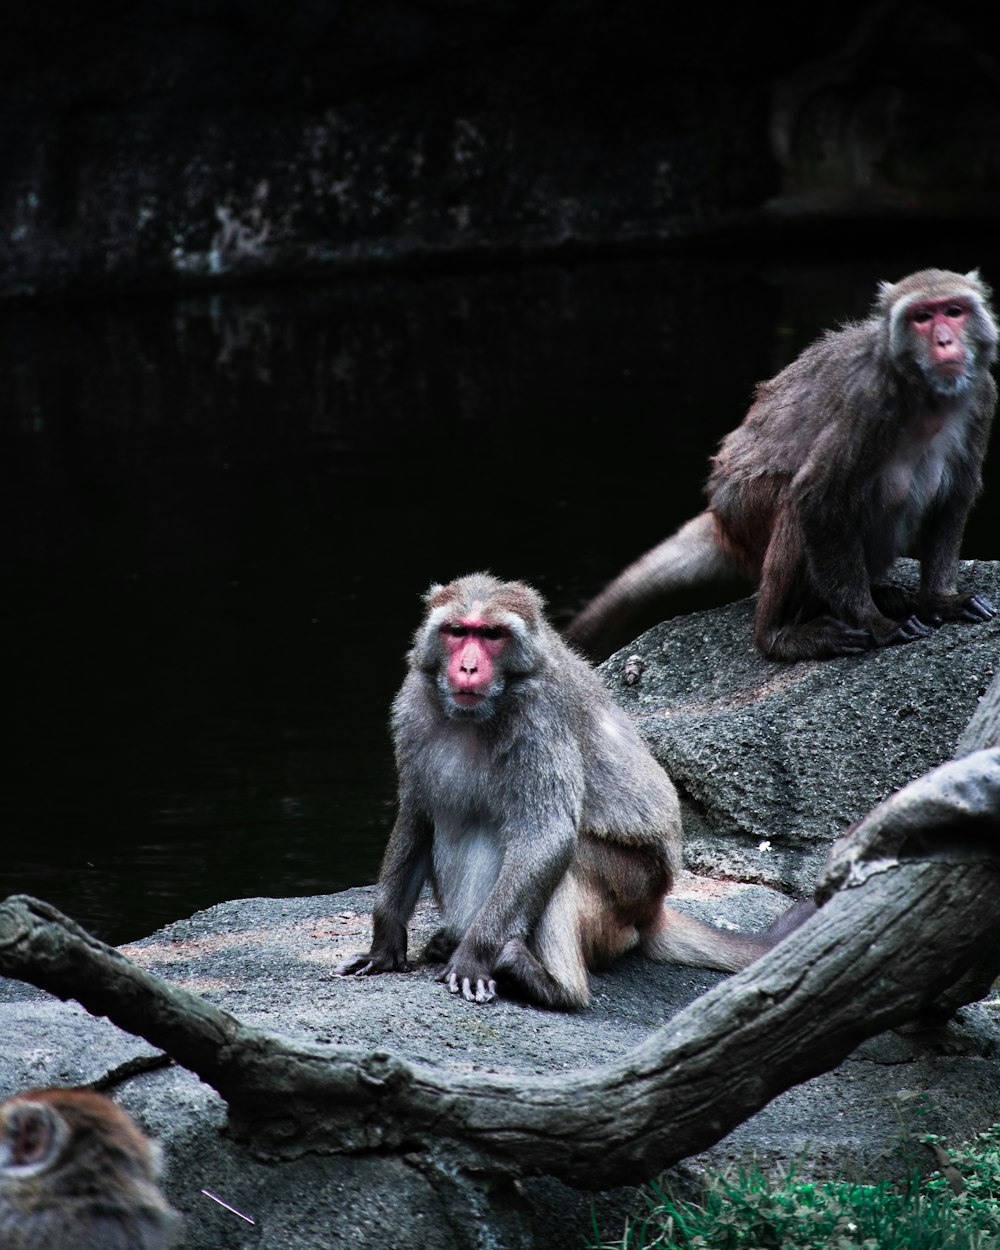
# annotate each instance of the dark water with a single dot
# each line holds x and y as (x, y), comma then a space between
(218, 514)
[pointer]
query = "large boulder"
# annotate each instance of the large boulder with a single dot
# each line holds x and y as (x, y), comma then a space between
(774, 760)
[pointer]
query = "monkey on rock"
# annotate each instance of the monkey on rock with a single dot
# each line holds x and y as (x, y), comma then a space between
(867, 447)
(77, 1174)
(549, 833)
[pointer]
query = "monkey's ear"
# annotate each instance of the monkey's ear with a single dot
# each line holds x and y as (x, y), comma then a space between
(433, 589)
(884, 295)
(33, 1135)
(979, 283)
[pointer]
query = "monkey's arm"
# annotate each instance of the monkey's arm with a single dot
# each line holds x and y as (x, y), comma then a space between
(405, 868)
(940, 540)
(937, 550)
(540, 838)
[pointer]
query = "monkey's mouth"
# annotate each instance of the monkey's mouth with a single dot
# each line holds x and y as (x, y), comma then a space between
(950, 364)
(466, 698)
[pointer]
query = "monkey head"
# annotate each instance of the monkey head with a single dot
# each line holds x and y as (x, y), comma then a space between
(941, 329)
(71, 1159)
(479, 636)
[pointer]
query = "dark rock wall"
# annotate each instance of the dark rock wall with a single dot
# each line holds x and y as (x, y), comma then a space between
(169, 143)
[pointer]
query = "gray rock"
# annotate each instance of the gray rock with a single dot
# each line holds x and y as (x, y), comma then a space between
(764, 753)
(775, 760)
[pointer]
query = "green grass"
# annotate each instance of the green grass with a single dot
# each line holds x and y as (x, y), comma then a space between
(956, 1208)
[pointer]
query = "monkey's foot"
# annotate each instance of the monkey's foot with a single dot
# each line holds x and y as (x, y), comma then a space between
(440, 946)
(824, 638)
(535, 981)
(979, 608)
(967, 607)
(469, 976)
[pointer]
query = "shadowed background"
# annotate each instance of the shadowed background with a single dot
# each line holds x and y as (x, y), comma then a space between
(306, 311)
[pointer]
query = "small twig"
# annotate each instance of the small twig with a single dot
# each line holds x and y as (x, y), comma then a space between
(215, 1198)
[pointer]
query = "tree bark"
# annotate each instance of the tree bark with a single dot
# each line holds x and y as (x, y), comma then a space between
(909, 901)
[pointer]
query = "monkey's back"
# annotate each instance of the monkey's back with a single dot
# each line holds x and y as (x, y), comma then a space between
(802, 420)
(627, 796)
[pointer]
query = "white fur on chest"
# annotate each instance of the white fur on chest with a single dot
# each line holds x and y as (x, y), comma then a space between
(467, 855)
(468, 847)
(457, 772)
(920, 466)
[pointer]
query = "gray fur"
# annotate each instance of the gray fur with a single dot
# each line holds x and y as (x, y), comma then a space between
(504, 810)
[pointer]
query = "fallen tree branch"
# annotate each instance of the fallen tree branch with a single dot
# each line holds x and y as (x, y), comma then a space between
(908, 919)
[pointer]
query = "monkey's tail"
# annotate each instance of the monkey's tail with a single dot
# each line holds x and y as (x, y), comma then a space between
(681, 939)
(690, 557)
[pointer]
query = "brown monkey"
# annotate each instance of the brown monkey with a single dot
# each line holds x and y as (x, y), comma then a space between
(548, 831)
(77, 1174)
(866, 447)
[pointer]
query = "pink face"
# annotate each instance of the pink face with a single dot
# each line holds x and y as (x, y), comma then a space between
(941, 325)
(474, 646)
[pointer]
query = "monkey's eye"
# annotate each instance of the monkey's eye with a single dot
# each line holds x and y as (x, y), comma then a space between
(954, 310)
(921, 316)
(455, 631)
(31, 1141)
(493, 633)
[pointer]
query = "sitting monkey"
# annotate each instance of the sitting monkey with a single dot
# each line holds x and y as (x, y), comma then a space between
(549, 833)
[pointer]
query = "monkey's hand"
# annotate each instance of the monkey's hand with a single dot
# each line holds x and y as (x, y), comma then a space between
(830, 636)
(470, 977)
(371, 963)
(966, 607)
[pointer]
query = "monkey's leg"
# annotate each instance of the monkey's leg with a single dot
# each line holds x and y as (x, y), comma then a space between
(938, 549)
(690, 557)
(517, 963)
(894, 601)
(554, 974)
(783, 628)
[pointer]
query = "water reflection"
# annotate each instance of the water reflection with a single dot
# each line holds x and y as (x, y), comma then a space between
(219, 513)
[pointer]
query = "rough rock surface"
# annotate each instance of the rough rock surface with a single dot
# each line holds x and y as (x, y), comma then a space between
(774, 760)
(270, 962)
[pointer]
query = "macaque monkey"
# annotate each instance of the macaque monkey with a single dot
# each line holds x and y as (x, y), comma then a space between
(867, 447)
(549, 833)
(77, 1174)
